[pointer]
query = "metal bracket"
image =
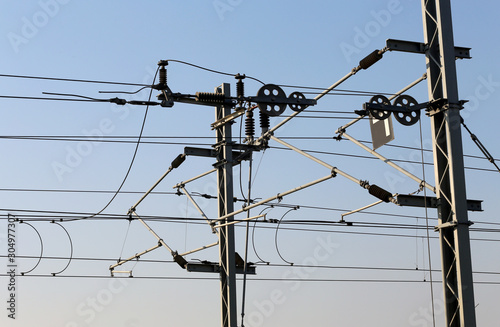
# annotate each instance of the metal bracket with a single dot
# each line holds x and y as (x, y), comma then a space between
(391, 108)
(431, 202)
(441, 105)
(212, 153)
(451, 224)
(213, 267)
(418, 47)
(166, 98)
(228, 118)
(432, 107)
(283, 100)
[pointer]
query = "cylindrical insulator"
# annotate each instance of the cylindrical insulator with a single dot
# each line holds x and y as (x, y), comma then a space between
(264, 121)
(163, 75)
(379, 193)
(177, 161)
(249, 124)
(369, 60)
(240, 89)
(210, 97)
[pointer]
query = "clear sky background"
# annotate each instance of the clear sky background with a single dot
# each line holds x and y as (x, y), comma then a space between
(55, 162)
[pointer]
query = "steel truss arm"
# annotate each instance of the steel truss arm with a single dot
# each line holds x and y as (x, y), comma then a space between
(390, 163)
(332, 168)
(196, 206)
(178, 185)
(175, 163)
(179, 258)
(278, 196)
(372, 189)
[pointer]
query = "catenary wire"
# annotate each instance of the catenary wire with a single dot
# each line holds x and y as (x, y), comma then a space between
(321, 280)
(201, 221)
(71, 80)
(209, 144)
(118, 139)
(270, 264)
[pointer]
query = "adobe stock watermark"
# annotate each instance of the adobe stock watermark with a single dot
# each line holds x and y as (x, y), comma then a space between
(364, 35)
(395, 178)
(224, 6)
(12, 271)
(76, 154)
(90, 308)
(31, 26)
(483, 90)
(277, 297)
(423, 317)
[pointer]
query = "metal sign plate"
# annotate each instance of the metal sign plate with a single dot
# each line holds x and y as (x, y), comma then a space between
(382, 131)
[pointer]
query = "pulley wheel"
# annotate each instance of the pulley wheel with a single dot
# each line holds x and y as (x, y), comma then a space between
(297, 96)
(408, 117)
(274, 100)
(380, 114)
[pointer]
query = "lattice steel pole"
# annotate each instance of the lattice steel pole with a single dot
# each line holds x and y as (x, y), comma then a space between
(225, 197)
(453, 224)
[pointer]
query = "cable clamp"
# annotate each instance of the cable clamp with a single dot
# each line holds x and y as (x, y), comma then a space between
(279, 197)
(334, 172)
(364, 184)
(340, 132)
(118, 101)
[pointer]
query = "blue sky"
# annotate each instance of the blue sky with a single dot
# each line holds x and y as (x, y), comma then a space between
(280, 42)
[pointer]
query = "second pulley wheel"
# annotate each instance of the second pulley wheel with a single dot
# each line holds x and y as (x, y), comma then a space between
(274, 100)
(297, 96)
(407, 117)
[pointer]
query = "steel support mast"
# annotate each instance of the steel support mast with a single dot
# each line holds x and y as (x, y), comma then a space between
(225, 197)
(453, 224)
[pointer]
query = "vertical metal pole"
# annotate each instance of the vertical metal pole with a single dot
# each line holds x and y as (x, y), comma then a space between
(448, 164)
(224, 167)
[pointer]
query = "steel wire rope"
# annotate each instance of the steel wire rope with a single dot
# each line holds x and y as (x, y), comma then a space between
(125, 240)
(427, 227)
(41, 249)
(50, 215)
(247, 232)
(185, 63)
(71, 80)
(20, 97)
(103, 138)
(111, 141)
(334, 90)
(126, 92)
(276, 236)
(253, 235)
(133, 157)
(271, 264)
(480, 145)
(322, 280)
(211, 70)
(373, 158)
(301, 229)
(71, 250)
